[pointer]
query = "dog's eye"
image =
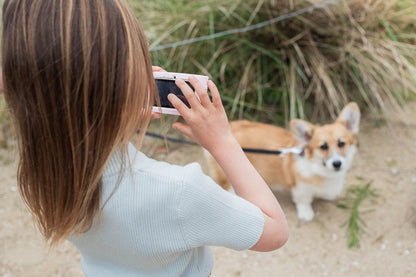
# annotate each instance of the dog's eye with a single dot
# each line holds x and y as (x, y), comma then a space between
(341, 144)
(324, 146)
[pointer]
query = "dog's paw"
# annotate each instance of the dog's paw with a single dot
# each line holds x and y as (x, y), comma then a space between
(305, 212)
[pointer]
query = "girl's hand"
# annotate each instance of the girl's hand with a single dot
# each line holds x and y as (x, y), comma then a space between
(157, 69)
(155, 115)
(207, 121)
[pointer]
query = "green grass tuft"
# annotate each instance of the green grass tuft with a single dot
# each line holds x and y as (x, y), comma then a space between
(352, 202)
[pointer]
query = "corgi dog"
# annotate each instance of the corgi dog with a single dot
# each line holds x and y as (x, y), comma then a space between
(317, 172)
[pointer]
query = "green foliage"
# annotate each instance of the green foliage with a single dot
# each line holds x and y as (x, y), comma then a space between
(352, 202)
(308, 66)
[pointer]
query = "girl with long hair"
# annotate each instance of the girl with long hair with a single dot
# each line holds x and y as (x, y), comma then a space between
(78, 81)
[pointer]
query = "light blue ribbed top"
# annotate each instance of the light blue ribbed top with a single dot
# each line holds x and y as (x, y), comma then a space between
(161, 220)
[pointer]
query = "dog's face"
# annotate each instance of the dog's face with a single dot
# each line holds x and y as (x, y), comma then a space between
(332, 146)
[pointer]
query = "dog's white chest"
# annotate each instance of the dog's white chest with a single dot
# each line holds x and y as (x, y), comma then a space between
(331, 188)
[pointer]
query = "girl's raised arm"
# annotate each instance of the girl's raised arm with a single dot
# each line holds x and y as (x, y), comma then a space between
(207, 124)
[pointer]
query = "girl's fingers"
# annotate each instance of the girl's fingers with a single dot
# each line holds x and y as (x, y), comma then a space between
(155, 115)
(178, 104)
(188, 92)
(200, 90)
(216, 98)
(157, 69)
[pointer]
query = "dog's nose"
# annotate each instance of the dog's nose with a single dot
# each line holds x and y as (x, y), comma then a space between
(337, 164)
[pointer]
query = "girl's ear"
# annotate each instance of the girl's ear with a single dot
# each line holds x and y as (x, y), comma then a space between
(350, 117)
(302, 130)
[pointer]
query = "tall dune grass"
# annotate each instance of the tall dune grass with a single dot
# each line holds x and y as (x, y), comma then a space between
(308, 66)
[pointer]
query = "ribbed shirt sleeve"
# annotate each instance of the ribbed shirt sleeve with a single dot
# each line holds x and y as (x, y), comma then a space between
(212, 216)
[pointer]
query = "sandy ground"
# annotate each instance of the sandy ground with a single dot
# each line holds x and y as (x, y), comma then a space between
(386, 157)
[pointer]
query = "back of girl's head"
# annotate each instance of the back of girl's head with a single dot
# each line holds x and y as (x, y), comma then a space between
(78, 81)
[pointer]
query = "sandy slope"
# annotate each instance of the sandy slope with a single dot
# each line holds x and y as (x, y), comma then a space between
(386, 157)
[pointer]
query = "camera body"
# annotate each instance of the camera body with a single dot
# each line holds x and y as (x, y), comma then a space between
(165, 83)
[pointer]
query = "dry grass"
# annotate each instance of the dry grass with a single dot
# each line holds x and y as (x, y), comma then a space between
(308, 66)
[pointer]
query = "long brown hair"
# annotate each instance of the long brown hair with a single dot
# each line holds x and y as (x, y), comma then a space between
(78, 81)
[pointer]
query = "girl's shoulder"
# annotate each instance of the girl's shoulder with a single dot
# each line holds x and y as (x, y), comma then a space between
(137, 163)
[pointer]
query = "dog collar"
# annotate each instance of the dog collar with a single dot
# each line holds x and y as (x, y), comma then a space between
(297, 150)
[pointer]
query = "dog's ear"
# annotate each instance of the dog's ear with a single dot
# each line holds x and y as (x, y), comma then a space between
(302, 130)
(350, 117)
